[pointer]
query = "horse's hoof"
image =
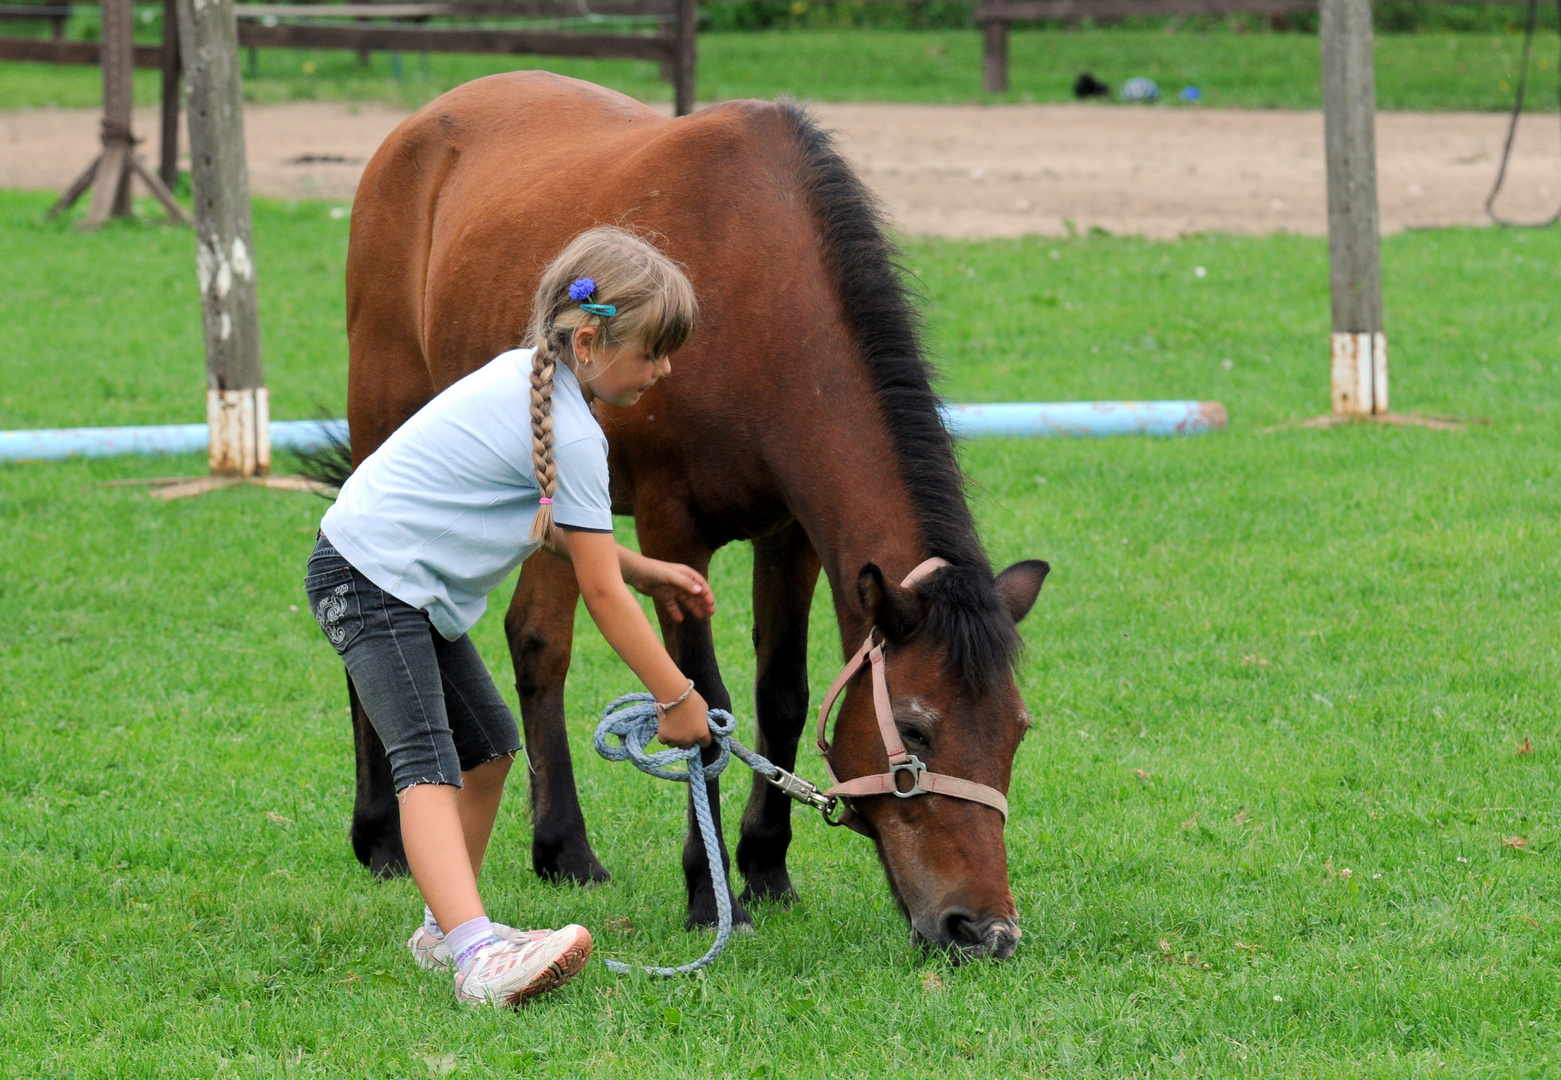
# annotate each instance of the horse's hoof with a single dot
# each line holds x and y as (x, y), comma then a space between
(385, 862)
(702, 915)
(569, 867)
(770, 888)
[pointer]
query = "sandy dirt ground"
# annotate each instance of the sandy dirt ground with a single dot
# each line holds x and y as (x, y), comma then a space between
(981, 171)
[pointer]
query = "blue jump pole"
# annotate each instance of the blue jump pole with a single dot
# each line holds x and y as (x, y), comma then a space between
(1024, 419)
(1085, 418)
(57, 444)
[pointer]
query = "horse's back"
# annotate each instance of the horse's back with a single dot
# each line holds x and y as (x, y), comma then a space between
(465, 203)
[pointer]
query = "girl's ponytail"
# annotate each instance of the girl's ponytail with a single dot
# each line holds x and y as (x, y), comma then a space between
(543, 364)
(636, 295)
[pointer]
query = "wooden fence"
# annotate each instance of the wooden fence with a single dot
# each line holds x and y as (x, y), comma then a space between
(995, 16)
(391, 27)
(405, 27)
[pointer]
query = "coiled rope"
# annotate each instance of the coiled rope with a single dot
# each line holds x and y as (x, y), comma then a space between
(632, 719)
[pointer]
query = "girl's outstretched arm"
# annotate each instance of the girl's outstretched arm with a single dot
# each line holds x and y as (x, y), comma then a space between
(622, 622)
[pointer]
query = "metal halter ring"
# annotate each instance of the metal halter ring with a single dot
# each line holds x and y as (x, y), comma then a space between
(912, 764)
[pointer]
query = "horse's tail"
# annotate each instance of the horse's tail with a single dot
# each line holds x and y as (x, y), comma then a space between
(330, 461)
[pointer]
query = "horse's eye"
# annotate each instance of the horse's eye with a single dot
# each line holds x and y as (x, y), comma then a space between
(912, 735)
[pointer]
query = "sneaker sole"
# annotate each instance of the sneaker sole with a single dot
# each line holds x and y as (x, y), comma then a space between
(569, 963)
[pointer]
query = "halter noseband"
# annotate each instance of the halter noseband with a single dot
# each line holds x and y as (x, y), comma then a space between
(922, 780)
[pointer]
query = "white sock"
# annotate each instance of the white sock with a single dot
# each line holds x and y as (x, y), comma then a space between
(466, 939)
(430, 923)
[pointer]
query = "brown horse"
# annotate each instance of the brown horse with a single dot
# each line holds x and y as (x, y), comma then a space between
(800, 418)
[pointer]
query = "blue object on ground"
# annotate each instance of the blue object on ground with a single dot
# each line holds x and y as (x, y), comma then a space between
(1027, 418)
(1191, 93)
(1085, 418)
(57, 444)
(1140, 89)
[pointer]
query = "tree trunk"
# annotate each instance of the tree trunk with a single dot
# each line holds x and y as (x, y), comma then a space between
(237, 409)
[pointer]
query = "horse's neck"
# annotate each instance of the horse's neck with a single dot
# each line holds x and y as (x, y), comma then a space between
(848, 491)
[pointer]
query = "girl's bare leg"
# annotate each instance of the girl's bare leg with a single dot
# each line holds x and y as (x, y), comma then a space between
(438, 852)
(445, 831)
(478, 802)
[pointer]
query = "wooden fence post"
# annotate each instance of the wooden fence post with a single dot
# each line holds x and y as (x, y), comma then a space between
(168, 166)
(111, 188)
(109, 174)
(1358, 346)
(994, 57)
(237, 409)
(684, 67)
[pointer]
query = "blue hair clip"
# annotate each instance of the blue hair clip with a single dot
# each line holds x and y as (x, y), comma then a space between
(583, 289)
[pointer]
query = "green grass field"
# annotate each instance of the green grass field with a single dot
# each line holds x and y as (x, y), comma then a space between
(1273, 819)
(1442, 70)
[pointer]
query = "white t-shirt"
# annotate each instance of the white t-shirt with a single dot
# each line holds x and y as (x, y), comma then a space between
(442, 511)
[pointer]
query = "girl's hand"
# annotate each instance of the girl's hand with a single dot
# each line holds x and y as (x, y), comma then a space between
(677, 589)
(685, 724)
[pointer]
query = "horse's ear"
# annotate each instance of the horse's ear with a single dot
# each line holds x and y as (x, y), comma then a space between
(1019, 585)
(890, 608)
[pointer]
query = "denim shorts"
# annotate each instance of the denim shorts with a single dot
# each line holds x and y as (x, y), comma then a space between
(431, 701)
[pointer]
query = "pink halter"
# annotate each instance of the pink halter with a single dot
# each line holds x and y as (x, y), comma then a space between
(922, 781)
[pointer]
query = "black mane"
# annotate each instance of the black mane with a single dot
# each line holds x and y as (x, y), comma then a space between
(964, 613)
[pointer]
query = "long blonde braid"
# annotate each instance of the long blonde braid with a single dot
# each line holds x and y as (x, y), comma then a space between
(543, 365)
(655, 306)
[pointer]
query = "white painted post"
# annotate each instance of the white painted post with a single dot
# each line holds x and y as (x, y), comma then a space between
(238, 413)
(1359, 348)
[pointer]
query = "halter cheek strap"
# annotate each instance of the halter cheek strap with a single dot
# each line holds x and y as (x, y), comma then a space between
(902, 766)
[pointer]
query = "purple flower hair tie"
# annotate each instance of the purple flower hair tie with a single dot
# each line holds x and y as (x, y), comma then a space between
(582, 289)
(545, 501)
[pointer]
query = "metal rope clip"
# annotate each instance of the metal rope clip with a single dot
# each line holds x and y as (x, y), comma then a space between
(800, 790)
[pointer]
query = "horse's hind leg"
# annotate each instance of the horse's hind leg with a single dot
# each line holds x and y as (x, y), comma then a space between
(376, 817)
(540, 627)
(785, 571)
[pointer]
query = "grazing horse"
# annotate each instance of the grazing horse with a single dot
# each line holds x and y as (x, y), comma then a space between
(800, 418)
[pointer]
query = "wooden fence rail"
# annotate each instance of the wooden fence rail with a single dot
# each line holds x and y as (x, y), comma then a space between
(995, 16)
(317, 24)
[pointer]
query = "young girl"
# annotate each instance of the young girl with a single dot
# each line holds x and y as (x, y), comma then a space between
(435, 519)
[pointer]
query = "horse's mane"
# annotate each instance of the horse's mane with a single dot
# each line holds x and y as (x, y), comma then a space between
(964, 613)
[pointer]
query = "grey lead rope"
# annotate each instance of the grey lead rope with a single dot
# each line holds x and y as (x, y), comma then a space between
(632, 718)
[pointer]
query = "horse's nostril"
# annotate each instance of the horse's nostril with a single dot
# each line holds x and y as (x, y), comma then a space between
(959, 929)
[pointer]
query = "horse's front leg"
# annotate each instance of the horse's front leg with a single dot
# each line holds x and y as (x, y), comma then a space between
(785, 571)
(693, 648)
(540, 626)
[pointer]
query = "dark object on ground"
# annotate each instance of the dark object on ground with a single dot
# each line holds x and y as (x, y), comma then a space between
(1087, 86)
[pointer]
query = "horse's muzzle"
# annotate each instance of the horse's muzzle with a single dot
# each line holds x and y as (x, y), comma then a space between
(968, 938)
